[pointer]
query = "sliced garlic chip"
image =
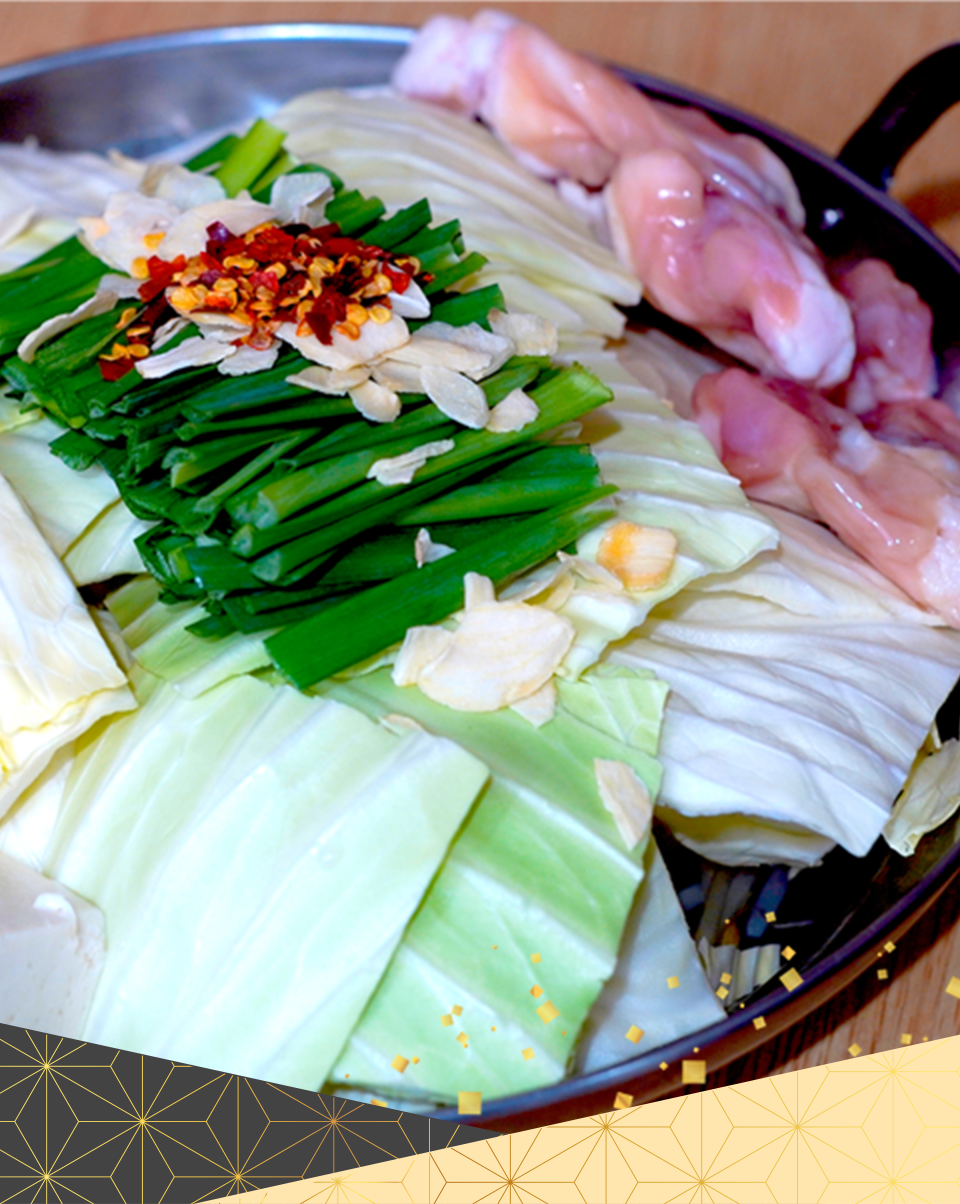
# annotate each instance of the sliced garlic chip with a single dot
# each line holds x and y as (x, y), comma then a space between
(538, 708)
(400, 470)
(421, 647)
(248, 359)
(224, 327)
(641, 557)
(425, 551)
(516, 411)
(411, 303)
(502, 653)
(530, 334)
(590, 571)
(330, 381)
(375, 402)
(402, 378)
(191, 353)
(477, 590)
(301, 197)
(626, 798)
(400, 725)
(497, 348)
(163, 334)
(372, 343)
(100, 303)
(423, 351)
(456, 396)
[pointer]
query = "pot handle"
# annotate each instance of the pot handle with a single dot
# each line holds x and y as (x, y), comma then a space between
(904, 115)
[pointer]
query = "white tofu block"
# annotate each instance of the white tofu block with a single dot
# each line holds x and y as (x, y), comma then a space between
(51, 951)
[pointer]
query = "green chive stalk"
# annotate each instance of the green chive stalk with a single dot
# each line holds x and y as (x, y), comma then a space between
(350, 631)
(250, 157)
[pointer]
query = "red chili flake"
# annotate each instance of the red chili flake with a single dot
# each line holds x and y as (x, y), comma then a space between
(156, 310)
(270, 245)
(265, 280)
(399, 278)
(161, 275)
(219, 301)
(349, 246)
(328, 309)
(112, 370)
(277, 285)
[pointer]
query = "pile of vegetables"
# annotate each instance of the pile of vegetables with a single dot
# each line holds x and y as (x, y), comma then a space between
(400, 884)
(260, 492)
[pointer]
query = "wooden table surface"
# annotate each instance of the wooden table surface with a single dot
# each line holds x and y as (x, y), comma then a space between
(815, 69)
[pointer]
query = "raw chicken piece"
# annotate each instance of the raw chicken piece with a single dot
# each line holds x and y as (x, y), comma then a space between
(568, 116)
(711, 222)
(717, 264)
(925, 425)
(894, 360)
(790, 446)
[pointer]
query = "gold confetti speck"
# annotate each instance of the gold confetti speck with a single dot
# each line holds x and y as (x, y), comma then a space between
(547, 1012)
(854, 1050)
(536, 958)
(759, 1022)
(696, 1049)
(494, 946)
(882, 974)
(693, 1071)
(889, 946)
(536, 991)
(924, 1038)
(457, 1010)
(493, 1028)
(907, 1038)
(346, 1076)
(469, 1103)
(722, 992)
(447, 1020)
(791, 980)
(528, 1054)
(770, 917)
(789, 953)
(953, 987)
(673, 981)
(400, 1063)
(463, 1039)
(622, 1100)
(381, 1103)
(726, 978)
(634, 1034)
(416, 1061)
(663, 1066)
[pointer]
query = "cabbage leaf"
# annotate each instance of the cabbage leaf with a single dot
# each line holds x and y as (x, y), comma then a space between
(57, 675)
(257, 855)
(930, 797)
(801, 688)
(539, 868)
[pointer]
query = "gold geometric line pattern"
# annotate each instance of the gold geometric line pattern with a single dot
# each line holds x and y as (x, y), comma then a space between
(90, 1125)
(877, 1129)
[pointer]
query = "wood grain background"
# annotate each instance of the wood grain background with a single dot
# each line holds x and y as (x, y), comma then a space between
(814, 69)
